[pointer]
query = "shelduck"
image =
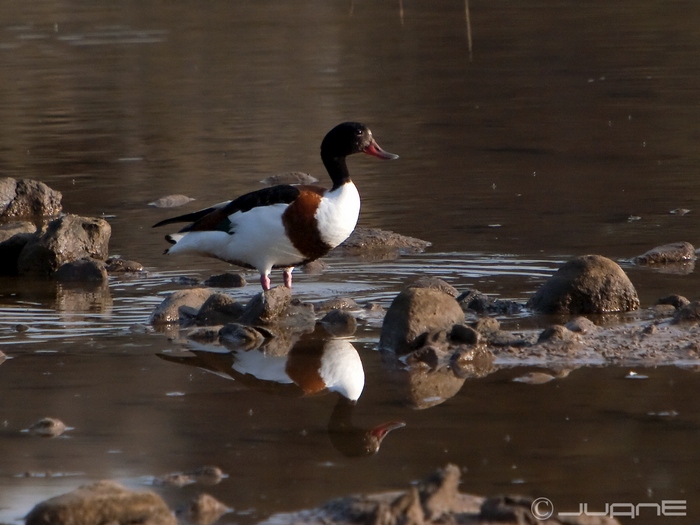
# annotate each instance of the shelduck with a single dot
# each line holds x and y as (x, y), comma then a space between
(287, 225)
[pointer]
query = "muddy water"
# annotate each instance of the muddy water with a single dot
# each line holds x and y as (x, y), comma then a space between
(571, 129)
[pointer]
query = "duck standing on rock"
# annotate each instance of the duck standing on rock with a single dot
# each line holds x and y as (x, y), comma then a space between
(287, 225)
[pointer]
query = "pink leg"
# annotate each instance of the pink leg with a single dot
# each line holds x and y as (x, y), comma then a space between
(265, 282)
(288, 277)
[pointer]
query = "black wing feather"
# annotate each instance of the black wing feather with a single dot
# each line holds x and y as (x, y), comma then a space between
(216, 217)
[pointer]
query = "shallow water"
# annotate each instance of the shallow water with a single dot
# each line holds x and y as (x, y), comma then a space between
(571, 130)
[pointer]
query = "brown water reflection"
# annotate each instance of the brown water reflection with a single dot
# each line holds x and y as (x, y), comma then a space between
(572, 130)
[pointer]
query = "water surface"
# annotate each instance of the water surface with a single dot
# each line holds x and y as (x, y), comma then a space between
(571, 129)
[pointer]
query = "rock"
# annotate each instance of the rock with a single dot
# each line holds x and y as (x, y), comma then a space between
(104, 502)
(336, 303)
(171, 201)
(267, 306)
(472, 362)
(47, 427)
(480, 303)
(581, 325)
(290, 177)
(276, 307)
(66, 239)
(119, 265)
(27, 198)
(690, 313)
(439, 492)
(10, 250)
(314, 267)
(586, 285)
(339, 323)
(204, 335)
(677, 301)
(82, 270)
(556, 332)
(415, 312)
(218, 308)
(667, 254)
(207, 475)
(204, 510)
(11, 229)
(169, 311)
(226, 280)
(364, 240)
(434, 283)
(486, 325)
(241, 336)
(3, 357)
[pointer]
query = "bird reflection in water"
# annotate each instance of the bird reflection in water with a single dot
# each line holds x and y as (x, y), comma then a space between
(312, 366)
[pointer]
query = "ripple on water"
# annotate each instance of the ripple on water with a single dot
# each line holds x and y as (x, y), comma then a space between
(93, 313)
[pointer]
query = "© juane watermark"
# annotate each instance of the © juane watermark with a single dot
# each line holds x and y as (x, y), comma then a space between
(543, 508)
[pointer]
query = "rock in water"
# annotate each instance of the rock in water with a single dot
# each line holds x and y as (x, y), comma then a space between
(667, 254)
(100, 503)
(586, 285)
(27, 198)
(66, 239)
(416, 312)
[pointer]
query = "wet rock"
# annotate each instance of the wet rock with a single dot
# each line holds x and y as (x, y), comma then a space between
(171, 309)
(668, 253)
(339, 323)
(218, 308)
(27, 198)
(47, 427)
(10, 250)
(689, 314)
(439, 492)
(66, 239)
(3, 357)
(20, 328)
(119, 265)
(432, 501)
(276, 307)
(475, 301)
(101, 503)
(415, 312)
(11, 229)
(171, 201)
(581, 325)
(677, 301)
(226, 280)
(241, 336)
(208, 475)
(204, 335)
(203, 510)
(82, 270)
(472, 362)
(486, 326)
(314, 267)
(434, 283)
(556, 332)
(585, 285)
(289, 177)
(367, 240)
(336, 303)
(505, 338)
